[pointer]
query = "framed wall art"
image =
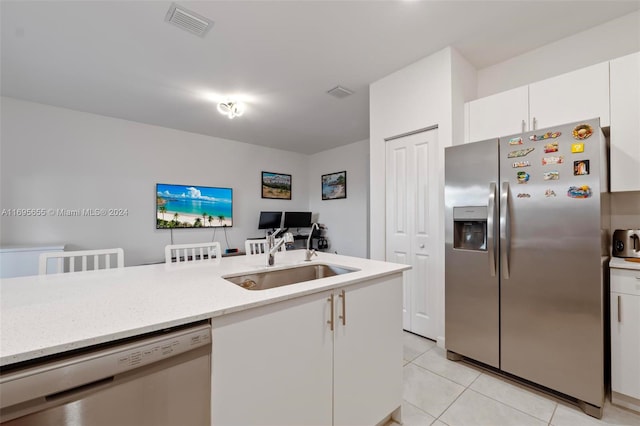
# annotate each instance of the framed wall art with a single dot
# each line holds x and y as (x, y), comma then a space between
(276, 185)
(334, 186)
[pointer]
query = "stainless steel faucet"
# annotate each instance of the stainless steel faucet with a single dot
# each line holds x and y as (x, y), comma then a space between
(309, 253)
(272, 247)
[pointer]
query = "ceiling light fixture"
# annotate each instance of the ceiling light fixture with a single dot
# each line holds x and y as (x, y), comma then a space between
(231, 109)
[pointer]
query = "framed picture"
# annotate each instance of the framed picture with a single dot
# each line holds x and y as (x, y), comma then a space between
(276, 185)
(334, 186)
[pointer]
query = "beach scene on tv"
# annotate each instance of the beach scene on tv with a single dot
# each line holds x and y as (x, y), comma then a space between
(183, 206)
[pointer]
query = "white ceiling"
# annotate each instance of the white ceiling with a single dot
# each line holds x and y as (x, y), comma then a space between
(120, 59)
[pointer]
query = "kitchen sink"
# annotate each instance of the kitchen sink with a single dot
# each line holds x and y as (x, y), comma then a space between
(280, 277)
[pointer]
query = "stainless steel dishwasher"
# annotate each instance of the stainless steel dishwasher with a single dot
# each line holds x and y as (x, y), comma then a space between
(158, 379)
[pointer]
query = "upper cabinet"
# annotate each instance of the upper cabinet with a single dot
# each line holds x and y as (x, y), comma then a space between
(500, 114)
(625, 123)
(578, 95)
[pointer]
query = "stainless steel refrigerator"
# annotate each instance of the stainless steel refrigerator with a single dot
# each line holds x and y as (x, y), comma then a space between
(526, 243)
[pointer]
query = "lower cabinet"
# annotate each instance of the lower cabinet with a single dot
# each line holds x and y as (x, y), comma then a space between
(298, 362)
(625, 338)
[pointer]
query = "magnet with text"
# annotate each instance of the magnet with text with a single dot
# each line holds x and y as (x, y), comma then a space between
(523, 177)
(581, 167)
(549, 193)
(556, 159)
(577, 147)
(521, 164)
(551, 147)
(582, 131)
(547, 135)
(553, 175)
(524, 195)
(515, 141)
(520, 153)
(583, 191)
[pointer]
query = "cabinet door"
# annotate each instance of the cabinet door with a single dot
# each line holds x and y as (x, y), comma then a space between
(574, 96)
(625, 332)
(504, 113)
(625, 124)
(368, 352)
(272, 365)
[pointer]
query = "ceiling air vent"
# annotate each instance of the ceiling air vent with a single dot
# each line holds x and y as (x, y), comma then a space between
(340, 92)
(188, 20)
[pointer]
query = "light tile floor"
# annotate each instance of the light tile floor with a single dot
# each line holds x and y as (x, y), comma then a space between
(440, 392)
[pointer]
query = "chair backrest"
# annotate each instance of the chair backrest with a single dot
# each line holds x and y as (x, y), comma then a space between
(258, 246)
(192, 252)
(66, 261)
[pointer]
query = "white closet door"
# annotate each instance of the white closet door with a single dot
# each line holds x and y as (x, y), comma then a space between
(411, 225)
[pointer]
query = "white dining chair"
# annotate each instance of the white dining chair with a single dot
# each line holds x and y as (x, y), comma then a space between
(180, 253)
(252, 247)
(89, 260)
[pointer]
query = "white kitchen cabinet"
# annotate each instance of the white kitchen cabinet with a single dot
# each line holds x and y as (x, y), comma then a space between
(367, 352)
(625, 123)
(625, 338)
(281, 364)
(501, 114)
(574, 96)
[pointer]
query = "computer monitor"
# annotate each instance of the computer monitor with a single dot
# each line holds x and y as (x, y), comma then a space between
(269, 220)
(297, 219)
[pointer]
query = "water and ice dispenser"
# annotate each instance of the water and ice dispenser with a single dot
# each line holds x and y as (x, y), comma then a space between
(470, 228)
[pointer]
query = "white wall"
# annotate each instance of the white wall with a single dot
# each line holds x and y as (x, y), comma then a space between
(58, 158)
(417, 96)
(346, 219)
(464, 81)
(625, 210)
(601, 43)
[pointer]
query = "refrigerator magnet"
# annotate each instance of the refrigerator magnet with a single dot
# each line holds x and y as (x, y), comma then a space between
(521, 164)
(523, 177)
(581, 167)
(547, 135)
(577, 147)
(553, 175)
(549, 193)
(520, 153)
(582, 131)
(551, 147)
(515, 141)
(583, 191)
(523, 195)
(557, 159)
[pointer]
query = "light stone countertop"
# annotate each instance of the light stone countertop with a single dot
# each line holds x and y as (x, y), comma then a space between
(620, 263)
(50, 314)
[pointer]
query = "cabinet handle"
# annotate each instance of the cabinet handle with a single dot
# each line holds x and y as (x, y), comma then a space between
(330, 322)
(523, 126)
(619, 312)
(343, 317)
(534, 123)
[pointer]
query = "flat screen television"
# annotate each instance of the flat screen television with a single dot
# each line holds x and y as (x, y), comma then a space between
(297, 219)
(190, 206)
(270, 220)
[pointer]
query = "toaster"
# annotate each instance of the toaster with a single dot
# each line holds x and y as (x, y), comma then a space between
(626, 243)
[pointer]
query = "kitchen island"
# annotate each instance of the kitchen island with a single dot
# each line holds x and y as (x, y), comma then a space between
(277, 327)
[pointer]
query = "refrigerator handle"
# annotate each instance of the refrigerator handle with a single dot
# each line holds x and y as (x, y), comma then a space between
(491, 214)
(505, 230)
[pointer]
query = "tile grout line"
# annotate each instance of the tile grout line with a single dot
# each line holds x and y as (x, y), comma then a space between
(449, 406)
(553, 414)
(514, 408)
(444, 377)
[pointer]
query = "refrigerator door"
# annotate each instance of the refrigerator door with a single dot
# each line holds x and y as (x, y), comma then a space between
(471, 279)
(551, 279)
